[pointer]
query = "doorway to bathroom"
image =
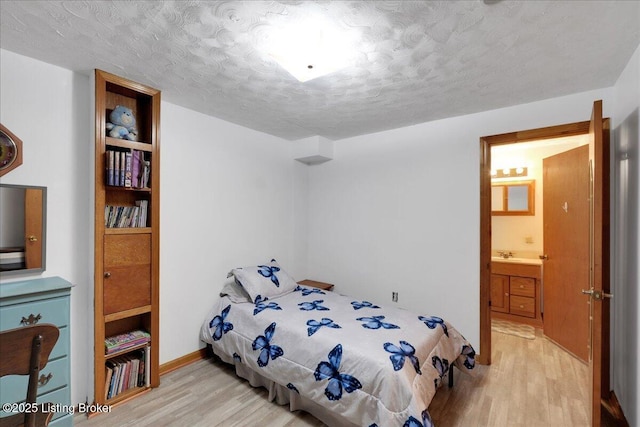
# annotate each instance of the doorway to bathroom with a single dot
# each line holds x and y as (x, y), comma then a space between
(594, 304)
(540, 240)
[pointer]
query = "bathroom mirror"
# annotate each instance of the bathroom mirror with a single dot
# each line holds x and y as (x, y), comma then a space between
(513, 198)
(22, 229)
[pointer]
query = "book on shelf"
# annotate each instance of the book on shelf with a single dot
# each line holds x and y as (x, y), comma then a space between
(122, 167)
(136, 159)
(146, 173)
(127, 169)
(117, 343)
(127, 371)
(110, 167)
(126, 216)
(116, 169)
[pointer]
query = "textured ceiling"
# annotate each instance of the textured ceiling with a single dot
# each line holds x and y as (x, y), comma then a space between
(417, 60)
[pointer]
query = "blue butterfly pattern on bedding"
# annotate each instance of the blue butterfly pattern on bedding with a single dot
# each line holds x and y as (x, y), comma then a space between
(263, 342)
(392, 362)
(261, 305)
(442, 366)
(314, 325)
(221, 326)
(399, 354)
(433, 321)
(313, 305)
(470, 356)
(357, 305)
(308, 291)
(413, 422)
(376, 322)
(337, 381)
(270, 273)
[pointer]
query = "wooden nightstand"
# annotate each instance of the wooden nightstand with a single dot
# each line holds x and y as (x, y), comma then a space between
(320, 285)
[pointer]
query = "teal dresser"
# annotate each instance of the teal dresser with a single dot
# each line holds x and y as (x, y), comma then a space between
(45, 300)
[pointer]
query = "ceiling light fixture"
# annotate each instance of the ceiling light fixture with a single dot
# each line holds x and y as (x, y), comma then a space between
(311, 49)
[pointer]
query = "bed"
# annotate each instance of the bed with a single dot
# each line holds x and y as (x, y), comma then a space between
(346, 361)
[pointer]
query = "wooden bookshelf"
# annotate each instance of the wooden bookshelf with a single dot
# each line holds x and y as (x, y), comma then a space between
(126, 276)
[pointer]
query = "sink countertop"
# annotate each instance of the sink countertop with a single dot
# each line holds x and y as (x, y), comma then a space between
(514, 260)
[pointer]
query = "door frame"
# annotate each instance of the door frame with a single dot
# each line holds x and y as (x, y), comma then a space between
(486, 142)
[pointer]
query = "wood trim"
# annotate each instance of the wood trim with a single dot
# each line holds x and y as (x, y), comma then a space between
(185, 360)
(550, 132)
(485, 252)
(611, 404)
(606, 258)
(98, 265)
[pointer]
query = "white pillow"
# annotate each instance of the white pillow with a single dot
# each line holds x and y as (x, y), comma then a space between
(266, 280)
(234, 290)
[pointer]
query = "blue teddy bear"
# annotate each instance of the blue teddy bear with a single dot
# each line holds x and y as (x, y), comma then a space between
(123, 124)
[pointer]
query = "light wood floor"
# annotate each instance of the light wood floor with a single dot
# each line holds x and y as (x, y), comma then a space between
(530, 383)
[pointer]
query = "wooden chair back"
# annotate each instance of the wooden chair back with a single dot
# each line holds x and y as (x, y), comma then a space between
(25, 351)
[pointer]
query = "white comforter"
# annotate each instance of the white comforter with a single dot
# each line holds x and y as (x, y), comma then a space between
(372, 365)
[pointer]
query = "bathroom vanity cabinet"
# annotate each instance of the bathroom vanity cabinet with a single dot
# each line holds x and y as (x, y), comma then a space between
(516, 292)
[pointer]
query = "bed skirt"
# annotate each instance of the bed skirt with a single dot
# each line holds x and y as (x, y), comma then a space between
(282, 395)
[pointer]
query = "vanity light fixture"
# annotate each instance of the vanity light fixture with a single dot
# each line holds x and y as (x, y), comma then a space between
(509, 172)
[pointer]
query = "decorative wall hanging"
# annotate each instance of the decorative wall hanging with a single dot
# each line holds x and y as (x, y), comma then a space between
(10, 151)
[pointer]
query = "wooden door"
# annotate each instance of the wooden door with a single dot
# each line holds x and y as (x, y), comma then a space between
(500, 293)
(599, 261)
(127, 272)
(33, 232)
(566, 244)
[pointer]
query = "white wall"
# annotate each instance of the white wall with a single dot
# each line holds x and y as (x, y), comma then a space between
(48, 108)
(399, 210)
(625, 243)
(226, 201)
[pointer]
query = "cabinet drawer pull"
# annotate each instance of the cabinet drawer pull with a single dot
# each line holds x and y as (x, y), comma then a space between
(42, 381)
(506, 294)
(31, 320)
(521, 286)
(521, 306)
(107, 274)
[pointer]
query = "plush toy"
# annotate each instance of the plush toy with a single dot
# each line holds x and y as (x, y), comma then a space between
(123, 124)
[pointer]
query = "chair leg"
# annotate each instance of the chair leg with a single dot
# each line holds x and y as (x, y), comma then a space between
(32, 390)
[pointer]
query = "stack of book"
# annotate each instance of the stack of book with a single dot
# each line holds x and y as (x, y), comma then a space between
(127, 372)
(125, 341)
(126, 216)
(127, 169)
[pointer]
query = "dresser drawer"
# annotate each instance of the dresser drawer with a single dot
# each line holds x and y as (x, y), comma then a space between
(13, 388)
(522, 286)
(61, 396)
(522, 306)
(54, 310)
